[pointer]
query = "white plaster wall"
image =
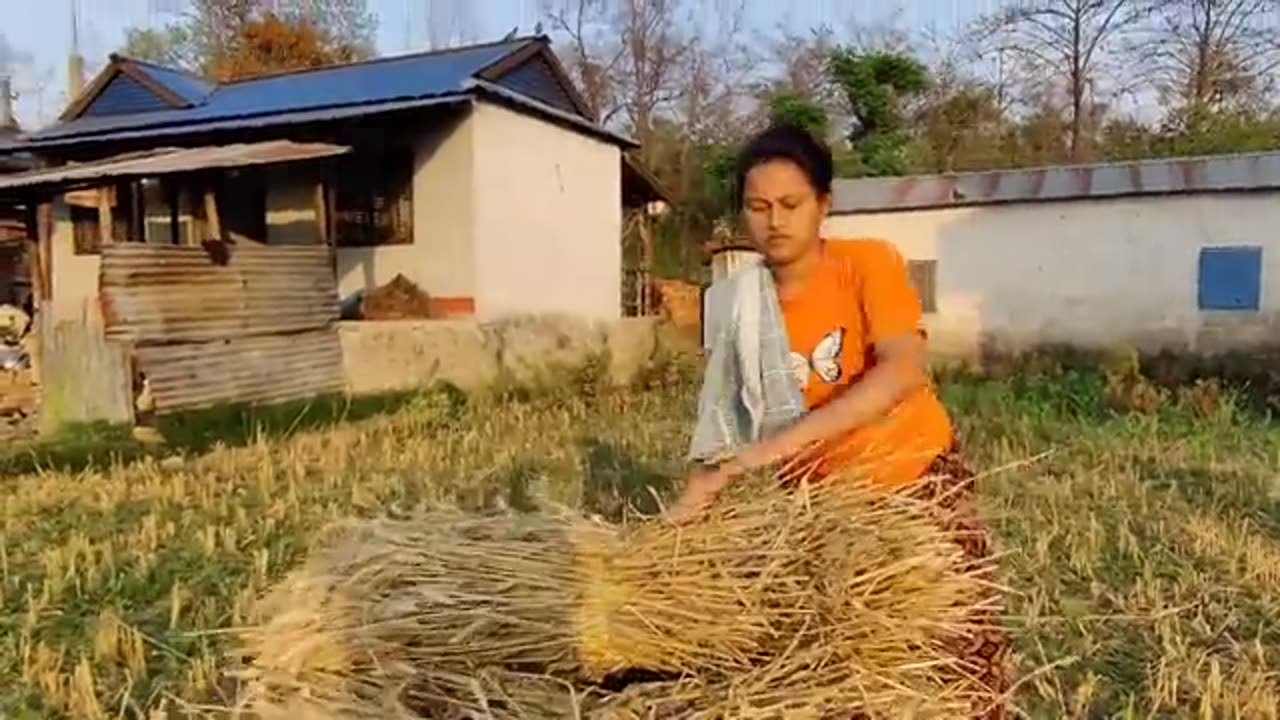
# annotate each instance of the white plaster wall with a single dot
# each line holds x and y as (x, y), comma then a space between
(74, 277)
(548, 220)
(441, 259)
(1096, 272)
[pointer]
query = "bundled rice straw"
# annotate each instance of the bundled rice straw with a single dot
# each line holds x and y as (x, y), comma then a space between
(827, 600)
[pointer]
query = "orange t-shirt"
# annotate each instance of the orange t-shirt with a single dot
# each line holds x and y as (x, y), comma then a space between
(857, 296)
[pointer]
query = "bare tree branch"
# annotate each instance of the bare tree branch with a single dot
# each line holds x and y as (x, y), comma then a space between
(1072, 44)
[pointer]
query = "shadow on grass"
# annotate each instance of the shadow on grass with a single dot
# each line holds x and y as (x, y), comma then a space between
(79, 447)
(617, 483)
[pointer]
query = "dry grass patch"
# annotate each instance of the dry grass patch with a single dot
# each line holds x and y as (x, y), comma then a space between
(1143, 548)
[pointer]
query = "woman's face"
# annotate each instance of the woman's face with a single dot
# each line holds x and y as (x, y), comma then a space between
(782, 211)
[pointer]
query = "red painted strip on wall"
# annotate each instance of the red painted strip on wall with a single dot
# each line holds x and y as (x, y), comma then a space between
(450, 307)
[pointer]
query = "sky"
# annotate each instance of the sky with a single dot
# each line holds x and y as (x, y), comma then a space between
(35, 35)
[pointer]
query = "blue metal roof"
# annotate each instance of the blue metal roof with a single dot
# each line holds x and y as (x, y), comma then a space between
(187, 86)
(160, 132)
(380, 81)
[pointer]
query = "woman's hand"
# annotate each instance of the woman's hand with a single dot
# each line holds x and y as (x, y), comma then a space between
(701, 488)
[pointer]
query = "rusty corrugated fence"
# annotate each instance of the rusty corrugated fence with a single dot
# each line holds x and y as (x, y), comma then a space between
(255, 326)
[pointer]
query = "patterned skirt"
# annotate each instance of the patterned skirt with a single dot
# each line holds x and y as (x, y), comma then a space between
(984, 654)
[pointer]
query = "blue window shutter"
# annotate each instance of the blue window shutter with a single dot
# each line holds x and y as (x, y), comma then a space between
(1230, 278)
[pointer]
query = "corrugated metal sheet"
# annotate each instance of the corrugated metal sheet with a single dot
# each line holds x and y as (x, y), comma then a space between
(185, 85)
(1223, 173)
(125, 95)
(381, 80)
(535, 106)
(171, 160)
(157, 294)
(357, 90)
(536, 79)
(270, 369)
(255, 121)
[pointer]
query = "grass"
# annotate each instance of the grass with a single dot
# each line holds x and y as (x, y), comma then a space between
(1145, 546)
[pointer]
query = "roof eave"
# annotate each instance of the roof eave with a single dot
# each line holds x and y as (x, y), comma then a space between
(268, 120)
(1228, 173)
(491, 91)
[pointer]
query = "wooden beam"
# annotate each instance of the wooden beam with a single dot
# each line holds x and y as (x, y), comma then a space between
(211, 215)
(106, 221)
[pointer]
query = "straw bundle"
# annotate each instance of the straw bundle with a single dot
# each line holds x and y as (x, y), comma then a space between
(827, 600)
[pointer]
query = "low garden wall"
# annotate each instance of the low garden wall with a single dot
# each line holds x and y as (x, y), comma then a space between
(393, 355)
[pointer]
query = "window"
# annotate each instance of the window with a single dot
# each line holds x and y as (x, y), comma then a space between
(84, 229)
(923, 275)
(373, 200)
(82, 210)
(1230, 278)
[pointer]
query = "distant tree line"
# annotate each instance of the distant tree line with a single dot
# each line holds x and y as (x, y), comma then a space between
(1038, 82)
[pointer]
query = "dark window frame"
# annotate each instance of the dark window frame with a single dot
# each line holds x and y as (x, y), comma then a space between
(923, 275)
(373, 199)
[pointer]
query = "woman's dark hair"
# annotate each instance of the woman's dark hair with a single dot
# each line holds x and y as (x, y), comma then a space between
(786, 142)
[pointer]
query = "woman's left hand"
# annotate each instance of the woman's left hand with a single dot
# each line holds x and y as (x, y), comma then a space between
(701, 488)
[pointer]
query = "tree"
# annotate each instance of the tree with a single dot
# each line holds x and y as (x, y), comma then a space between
(227, 39)
(876, 85)
(1069, 44)
(959, 128)
(170, 46)
(270, 43)
(627, 55)
(795, 109)
(1212, 55)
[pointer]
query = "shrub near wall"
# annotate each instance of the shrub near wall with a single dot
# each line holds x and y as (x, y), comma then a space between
(396, 355)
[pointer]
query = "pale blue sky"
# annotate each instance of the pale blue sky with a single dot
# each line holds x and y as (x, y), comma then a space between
(35, 35)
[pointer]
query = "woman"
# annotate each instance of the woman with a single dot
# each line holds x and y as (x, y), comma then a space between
(853, 325)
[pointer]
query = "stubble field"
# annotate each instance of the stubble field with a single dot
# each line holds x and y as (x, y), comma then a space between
(1144, 546)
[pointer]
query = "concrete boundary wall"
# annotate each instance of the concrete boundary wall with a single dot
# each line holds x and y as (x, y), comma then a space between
(395, 355)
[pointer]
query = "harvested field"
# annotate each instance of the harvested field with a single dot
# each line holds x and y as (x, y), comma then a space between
(1146, 546)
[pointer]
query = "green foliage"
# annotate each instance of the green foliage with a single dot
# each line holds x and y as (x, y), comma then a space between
(169, 46)
(790, 108)
(719, 166)
(216, 32)
(876, 85)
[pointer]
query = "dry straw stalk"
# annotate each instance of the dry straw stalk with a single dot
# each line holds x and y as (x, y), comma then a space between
(776, 604)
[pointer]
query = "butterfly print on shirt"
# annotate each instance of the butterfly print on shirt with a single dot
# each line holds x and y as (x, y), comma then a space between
(825, 361)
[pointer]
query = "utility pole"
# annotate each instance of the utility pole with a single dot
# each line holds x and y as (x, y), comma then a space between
(75, 61)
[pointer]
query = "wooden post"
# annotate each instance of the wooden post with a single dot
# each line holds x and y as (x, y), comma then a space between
(106, 226)
(211, 215)
(138, 219)
(44, 249)
(322, 214)
(172, 197)
(646, 263)
(33, 261)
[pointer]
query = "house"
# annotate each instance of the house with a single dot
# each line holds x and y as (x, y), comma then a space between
(14, 277)
(476, 172)
(1177, 255)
